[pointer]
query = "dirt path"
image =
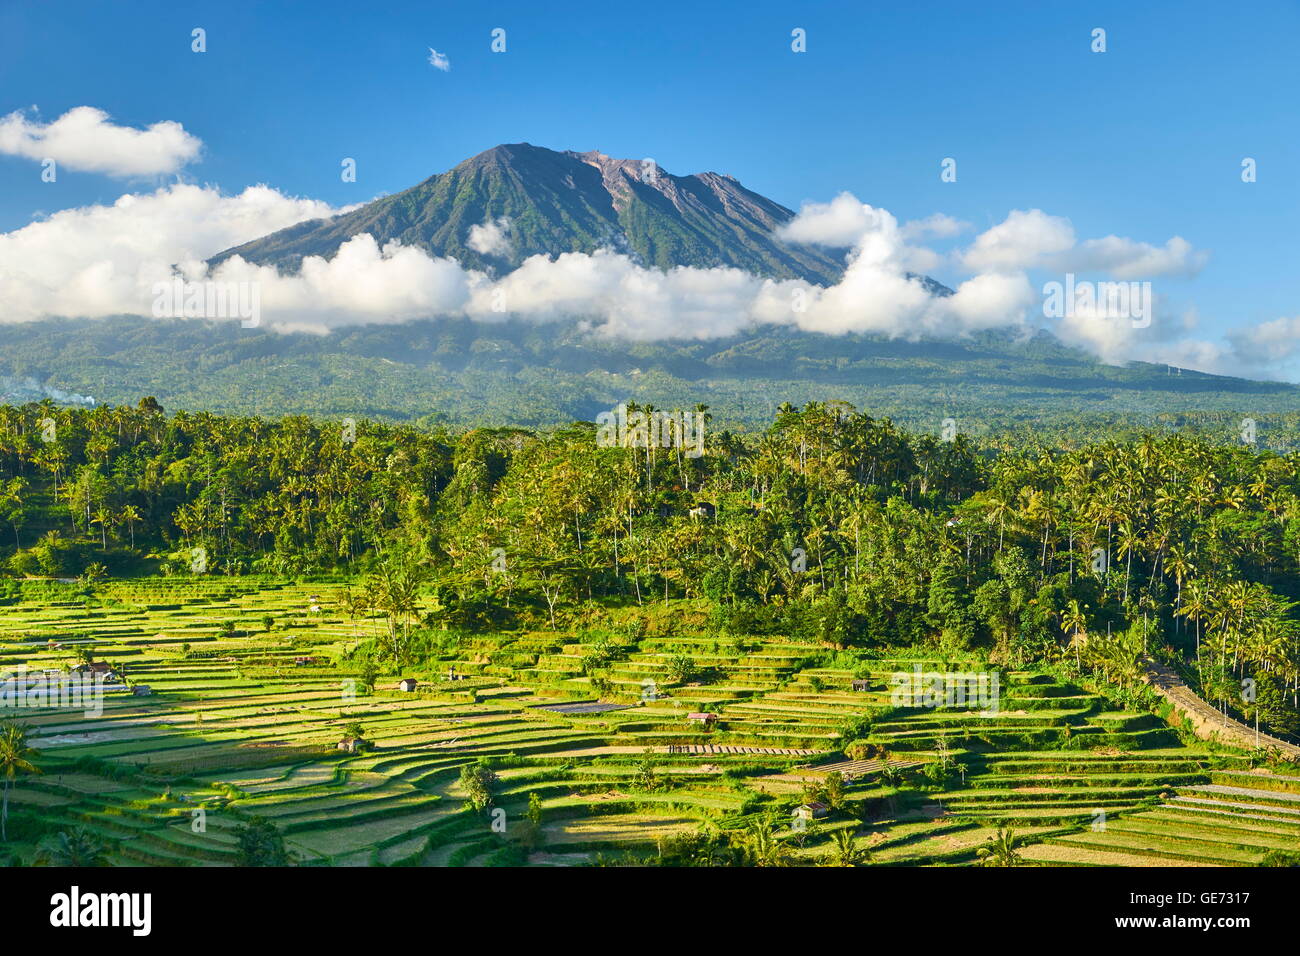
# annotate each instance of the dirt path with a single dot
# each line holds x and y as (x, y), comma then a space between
(1207, 722)
(688, 749)
(851, 769)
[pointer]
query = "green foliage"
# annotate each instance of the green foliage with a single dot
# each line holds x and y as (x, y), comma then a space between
(1281, 858)
(261, 844)
(76, 847)
(1000, 850)
(479, 783)
(681, 669)
(17, 759)
(834, 790)
(845, 852)
(647, 777)
(533, 836)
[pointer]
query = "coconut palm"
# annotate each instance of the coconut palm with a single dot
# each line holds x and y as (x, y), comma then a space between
(764, 848)
(15, 760)
(75, 847)
(1000, 850)
(846, 852)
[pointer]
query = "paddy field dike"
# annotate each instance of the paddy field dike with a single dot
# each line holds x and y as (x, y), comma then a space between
(251, 687)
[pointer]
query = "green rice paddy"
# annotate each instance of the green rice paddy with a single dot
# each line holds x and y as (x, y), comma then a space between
(243, 721)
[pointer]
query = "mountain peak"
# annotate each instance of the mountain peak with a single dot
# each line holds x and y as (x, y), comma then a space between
(566, 201)
(643, 168)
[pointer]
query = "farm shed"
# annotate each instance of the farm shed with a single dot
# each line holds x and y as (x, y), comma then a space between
(810, 811)
(98, 669)
(407, 684)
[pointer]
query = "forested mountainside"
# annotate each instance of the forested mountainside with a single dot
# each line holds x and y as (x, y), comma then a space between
(465, 373)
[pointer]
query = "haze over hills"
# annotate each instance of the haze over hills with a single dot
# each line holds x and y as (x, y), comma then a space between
(470, 373)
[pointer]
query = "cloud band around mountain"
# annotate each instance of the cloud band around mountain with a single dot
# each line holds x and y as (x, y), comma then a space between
(104, 260)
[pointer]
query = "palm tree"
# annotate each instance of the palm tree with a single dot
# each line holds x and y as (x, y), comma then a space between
(997, 507)
(1074, 621)
(1127, 545)
(76, 847)
(15, 758)
(764, 847)
(1000, 850)
(1179, 564)
(354, 605)
(1196, 606)
(394, 588)
(11, 503)
(846, 853)
(104, 518)
(130, 514)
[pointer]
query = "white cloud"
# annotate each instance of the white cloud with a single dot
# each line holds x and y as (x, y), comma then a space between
(1267, 344)
(439, 61)
(937, 226)
(102, 260)
(877, 294)
(492, 238)
(839, 223)
(988, 300)
(1031, 239)
(620, 298)
(105, 260)
(1024, 240)
(362, 283)
(86, 139)
(1127, 259)
(846, 222)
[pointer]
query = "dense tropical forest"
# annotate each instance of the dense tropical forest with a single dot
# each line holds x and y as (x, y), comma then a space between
(830, 526)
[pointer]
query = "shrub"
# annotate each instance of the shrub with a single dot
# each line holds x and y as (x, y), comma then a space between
(261, 844)
(478, 781)
(1280, 858)
(681, 669)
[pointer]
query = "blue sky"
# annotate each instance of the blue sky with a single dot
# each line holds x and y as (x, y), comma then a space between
(1143, 141)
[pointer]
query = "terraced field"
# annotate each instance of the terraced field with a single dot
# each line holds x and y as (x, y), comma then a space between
(251, 689)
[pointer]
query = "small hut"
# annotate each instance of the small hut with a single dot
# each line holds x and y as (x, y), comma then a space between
(810, 811)
(702, 509)
(860, 685)
(704, 718)
(407, 685)
(98, 670)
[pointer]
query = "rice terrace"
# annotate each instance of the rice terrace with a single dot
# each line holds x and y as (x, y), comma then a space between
(671, 692)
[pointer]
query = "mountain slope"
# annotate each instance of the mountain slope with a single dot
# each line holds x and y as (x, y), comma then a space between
(469, 373)
(559, 202)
